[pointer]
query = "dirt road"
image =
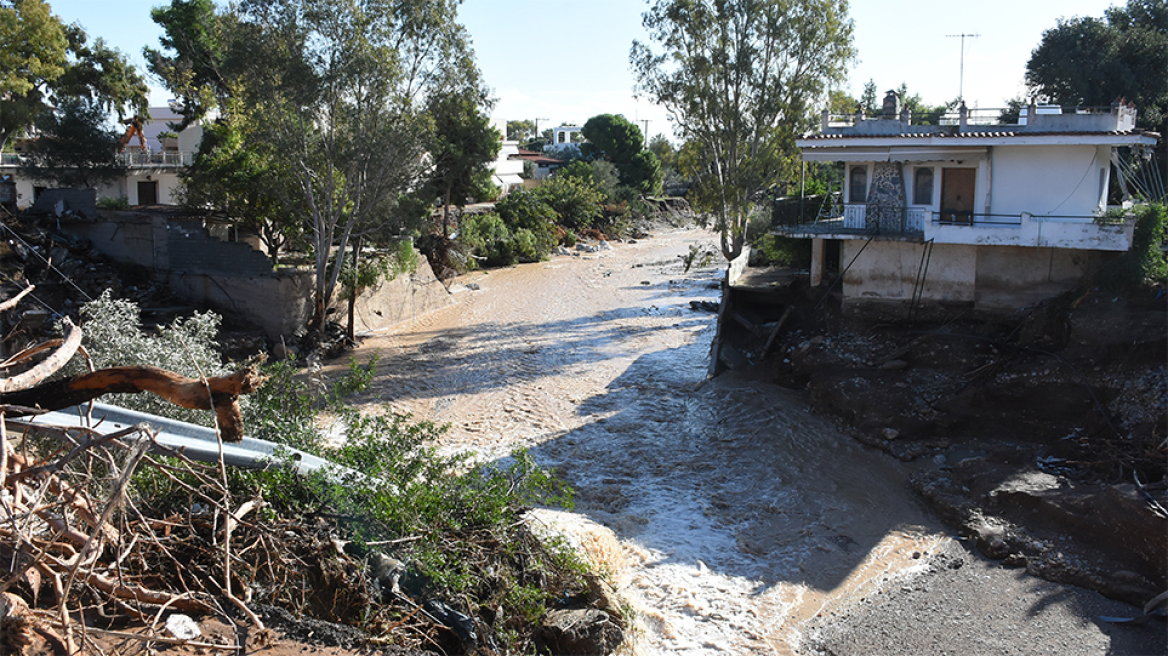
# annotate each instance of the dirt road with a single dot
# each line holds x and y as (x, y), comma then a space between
(733, 519)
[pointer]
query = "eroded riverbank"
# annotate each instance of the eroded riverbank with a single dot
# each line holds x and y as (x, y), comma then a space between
(728, 514)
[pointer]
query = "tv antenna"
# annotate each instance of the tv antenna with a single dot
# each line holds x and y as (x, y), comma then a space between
(961, 79)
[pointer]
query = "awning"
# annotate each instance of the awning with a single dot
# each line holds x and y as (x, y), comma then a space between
(509, 179)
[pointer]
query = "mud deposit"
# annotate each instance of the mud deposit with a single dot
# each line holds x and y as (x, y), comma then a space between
(727, 513)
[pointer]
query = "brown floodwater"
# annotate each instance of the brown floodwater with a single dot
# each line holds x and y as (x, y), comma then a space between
(725, 511)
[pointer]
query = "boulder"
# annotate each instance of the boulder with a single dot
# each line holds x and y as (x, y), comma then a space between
(583, 631)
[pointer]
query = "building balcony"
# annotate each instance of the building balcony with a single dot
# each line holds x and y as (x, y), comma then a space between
(862, 221)
(853, 220)
(140, 160)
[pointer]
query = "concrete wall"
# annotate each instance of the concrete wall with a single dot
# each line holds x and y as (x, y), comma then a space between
(279, 303)
(235, 278)
(989, 276)
(406, 297)
(1050, 180)
(887, 270)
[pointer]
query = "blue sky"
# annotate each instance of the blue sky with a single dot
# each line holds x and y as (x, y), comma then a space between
(564, 61)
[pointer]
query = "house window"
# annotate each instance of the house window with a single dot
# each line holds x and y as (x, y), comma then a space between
(858, 184)
(923, 186)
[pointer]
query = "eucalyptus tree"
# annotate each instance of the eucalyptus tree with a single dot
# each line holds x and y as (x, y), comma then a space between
(739, 80)
(333, 90)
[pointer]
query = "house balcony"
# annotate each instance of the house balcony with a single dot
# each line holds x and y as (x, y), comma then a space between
(854, 220)
(862, 221)
(166, 159)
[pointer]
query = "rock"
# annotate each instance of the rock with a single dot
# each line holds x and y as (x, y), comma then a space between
(584, 631)
(604, 246)
(183, 627)
(816, 341)
(891, 433)
(894, 365)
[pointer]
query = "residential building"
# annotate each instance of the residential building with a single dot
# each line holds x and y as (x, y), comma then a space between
(972, 210)
(154, 163)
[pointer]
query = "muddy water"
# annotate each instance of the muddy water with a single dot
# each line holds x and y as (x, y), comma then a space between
(726, 512)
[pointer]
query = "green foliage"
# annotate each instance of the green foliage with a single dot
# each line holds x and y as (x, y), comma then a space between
(617, 140)
(114, 337)
(111, 203)
(520, 130)
(1145, 263)
(779, 57)
(75, 146)
(576, 203)
(373, 268)
(776, 250)
(498, 243)
(462, 146)
(1092, 61)
(338, 97)
(43, 62)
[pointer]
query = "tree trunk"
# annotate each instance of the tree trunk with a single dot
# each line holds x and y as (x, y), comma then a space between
(353, 291)
(182, 391)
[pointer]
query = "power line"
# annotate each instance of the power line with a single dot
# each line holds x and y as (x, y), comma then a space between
(961, 79)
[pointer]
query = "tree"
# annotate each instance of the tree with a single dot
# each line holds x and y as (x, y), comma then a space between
(239, 180)
(739, 79)
(463, 144)
(621, 142)
(1093, 61)
(43, 61)
(75, 146)
(334, 92)
(520, 130)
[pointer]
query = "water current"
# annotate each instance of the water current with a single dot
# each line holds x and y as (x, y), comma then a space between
(727, 513)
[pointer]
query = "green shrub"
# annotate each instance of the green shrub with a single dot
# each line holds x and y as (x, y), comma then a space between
(113, 336)
(1145, 263)
(110, 203)
(576, 202)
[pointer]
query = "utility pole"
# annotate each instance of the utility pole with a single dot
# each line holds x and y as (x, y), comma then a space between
(961, 79)
(537, 127)
(646, 122)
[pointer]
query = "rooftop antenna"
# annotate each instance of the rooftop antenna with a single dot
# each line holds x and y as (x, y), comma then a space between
(961, 79)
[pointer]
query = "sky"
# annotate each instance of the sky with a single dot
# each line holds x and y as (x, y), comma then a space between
(564, 61)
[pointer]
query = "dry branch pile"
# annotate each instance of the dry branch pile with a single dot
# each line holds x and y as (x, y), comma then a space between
(67, 524)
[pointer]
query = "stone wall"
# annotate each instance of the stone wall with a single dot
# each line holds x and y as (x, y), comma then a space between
(886, 198)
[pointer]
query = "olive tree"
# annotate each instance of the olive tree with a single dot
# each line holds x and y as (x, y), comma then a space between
(739, 80)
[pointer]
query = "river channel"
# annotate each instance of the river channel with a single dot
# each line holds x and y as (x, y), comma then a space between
(726, 512)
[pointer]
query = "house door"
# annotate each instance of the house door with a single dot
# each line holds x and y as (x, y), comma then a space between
(957, 186)
(148, 192)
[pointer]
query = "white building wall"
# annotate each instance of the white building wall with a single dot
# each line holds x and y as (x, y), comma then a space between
(1064, 181)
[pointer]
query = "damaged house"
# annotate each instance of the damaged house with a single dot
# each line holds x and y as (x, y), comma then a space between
(974, 212)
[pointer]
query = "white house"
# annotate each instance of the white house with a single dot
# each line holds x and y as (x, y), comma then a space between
(999, 215)
(152, 178)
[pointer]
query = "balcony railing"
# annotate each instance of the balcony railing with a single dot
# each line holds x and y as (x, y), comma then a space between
(152, 160)
(949, 217)
(11, 159)
(857, 219)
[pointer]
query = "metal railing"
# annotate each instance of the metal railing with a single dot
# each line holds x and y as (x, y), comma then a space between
(11, 159)
(134, 160)
(961, 218)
